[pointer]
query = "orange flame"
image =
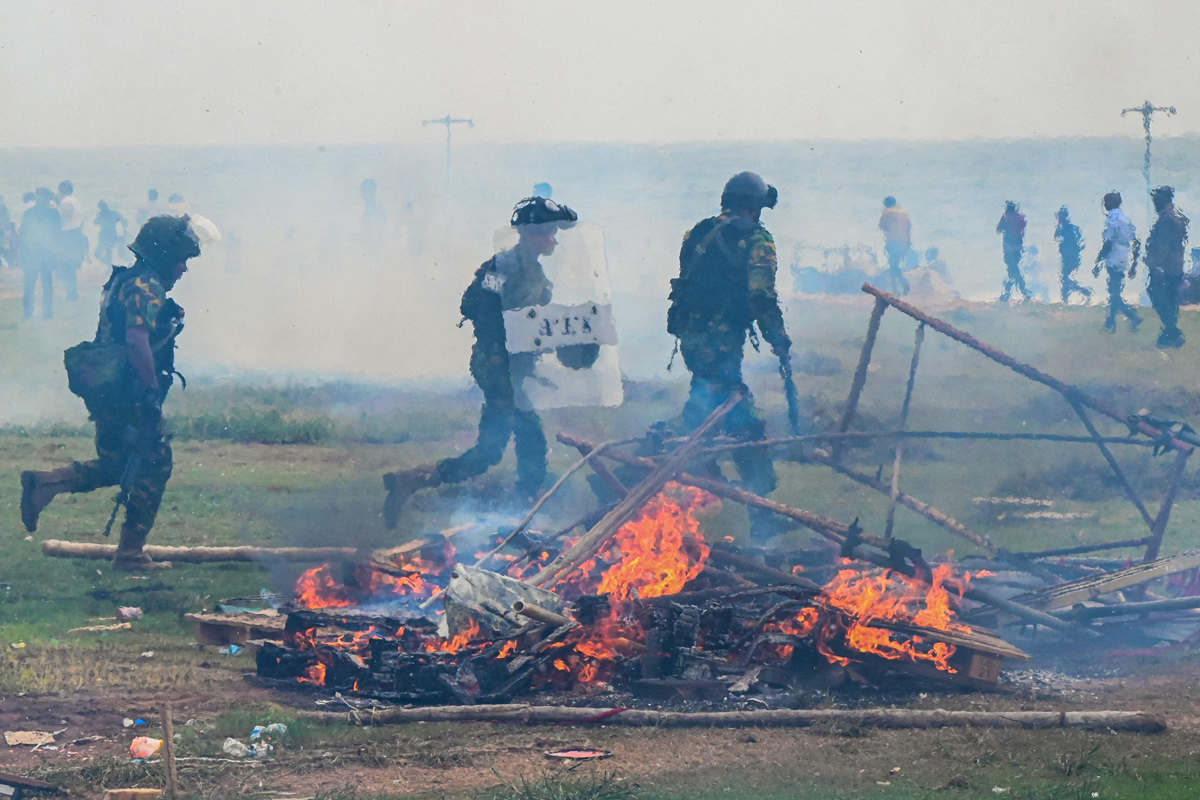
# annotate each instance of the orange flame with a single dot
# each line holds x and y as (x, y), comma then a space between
(471, 635)
(318, 588)
(315, 674)
(656, 553)
(853, 600)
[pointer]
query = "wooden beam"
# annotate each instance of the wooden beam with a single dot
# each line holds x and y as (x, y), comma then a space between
(908, 393)
(860, 372)
(605, 529)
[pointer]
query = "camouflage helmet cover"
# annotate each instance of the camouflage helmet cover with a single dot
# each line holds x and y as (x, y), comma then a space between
(165, 241)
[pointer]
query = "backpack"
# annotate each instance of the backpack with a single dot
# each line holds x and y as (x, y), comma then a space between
(99, 371)
(713, 280)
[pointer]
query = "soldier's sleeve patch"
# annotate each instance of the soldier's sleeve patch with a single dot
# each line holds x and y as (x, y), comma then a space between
(143, 299)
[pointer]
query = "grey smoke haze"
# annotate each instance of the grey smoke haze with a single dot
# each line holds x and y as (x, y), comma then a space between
(310, 300)
(594, 99)
(83, 74)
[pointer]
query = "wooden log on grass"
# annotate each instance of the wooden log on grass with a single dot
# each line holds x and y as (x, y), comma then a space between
(1117, 721)
(56, 548)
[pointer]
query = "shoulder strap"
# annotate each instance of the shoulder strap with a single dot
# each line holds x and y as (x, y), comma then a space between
(703, 245)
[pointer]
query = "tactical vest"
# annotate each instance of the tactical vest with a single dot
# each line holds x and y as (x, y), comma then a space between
(99, 371)
(713, 280)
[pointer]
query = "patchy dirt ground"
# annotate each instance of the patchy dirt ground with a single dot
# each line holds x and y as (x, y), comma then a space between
(462, 760)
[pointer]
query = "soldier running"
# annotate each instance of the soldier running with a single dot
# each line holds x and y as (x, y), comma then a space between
(726, 284)
(512, 279)
(1165, 247)
(123, 377)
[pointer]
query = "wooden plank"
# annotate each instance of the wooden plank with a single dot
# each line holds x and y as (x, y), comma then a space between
(1068, 594)
(235, 628)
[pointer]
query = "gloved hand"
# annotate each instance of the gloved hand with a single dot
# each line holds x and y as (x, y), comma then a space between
(149, 407)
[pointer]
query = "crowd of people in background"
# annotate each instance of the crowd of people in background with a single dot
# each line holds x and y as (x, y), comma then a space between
(48, 243)
(1117, 257)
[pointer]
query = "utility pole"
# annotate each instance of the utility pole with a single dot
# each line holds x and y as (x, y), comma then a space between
(448, 121)
(1147, 111)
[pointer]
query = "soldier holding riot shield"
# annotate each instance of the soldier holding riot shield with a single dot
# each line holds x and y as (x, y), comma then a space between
(544, 338)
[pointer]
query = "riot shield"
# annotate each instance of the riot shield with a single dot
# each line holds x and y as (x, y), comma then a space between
(558, 321)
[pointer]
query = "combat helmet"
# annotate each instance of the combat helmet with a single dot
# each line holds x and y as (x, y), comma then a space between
(164, 241)
(747, 190)
(540, 211)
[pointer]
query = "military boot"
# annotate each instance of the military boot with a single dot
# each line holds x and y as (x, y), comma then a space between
(404, 484)
(130, 555)
(39, 488)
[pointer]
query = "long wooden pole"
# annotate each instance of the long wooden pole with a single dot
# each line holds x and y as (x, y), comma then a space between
(56, 548)
(1179, 441)
(1164, 511)
(860, 372)
(1105, 721)
(172, 790)
(1130, 492)
(908, 393)
(605, 529)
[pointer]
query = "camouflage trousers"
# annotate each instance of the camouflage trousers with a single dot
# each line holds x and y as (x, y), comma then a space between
(715, 361)
(499, 421)
(118, 437)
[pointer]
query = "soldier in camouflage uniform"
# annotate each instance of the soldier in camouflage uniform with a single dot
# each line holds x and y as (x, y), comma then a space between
(726, 285)
(512, 279)
(134, 311)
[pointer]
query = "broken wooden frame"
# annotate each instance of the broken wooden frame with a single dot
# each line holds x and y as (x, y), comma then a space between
(1182, 442)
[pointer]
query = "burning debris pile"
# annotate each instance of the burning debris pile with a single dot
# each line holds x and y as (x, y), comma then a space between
(657, 610)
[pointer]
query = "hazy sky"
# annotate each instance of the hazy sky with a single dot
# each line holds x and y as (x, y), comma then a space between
(210, 71)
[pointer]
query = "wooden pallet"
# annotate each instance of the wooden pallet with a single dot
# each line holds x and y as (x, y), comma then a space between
(236, 627)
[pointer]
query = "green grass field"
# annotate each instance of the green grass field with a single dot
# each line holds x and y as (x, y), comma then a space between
(273, 462)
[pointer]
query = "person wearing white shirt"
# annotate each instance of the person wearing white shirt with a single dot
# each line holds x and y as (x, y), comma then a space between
(1118, 253)
(73, 242)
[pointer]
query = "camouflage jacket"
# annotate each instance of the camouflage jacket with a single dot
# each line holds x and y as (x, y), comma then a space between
(727, 281)
(134, 297)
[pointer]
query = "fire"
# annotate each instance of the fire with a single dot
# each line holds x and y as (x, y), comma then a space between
(656, 553)
(315, 674)
(853, 600)
(317, 588)
(471, 635)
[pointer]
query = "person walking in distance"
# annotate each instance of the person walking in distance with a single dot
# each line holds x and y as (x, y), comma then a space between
(897, 241)
(1069, 238)
(1118, 256)
(1165, 247)
(1012, 228)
